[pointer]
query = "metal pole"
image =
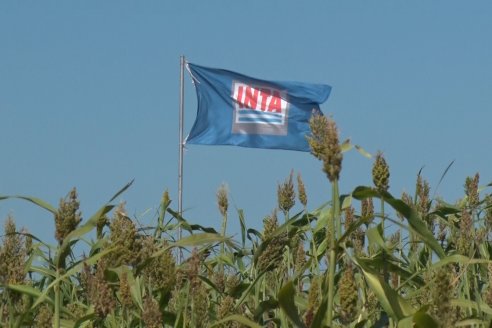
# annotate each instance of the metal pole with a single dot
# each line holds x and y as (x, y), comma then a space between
(180, 170)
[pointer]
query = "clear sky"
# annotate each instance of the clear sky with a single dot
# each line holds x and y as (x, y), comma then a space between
(89, 94)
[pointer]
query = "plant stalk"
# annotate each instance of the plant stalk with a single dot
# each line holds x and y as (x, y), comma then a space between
(333, 226)
(56, 319)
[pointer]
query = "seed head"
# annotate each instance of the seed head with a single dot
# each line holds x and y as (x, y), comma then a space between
(367, 210)
(465, 237)
(273, 253)
(166, 200)
(380, 173)
(68, 216)
(359, 240)
(13, 255)
(226, 308)
(161, 271)
(407, 199)
(219, 280)
(199, 316)
(101, 223)
(286, 194)
(123, 235)
(442, 293)
(125, 294)
(300, 258)
(101, 295)
(313, 301)
(325, 145)
(423, 190)
(222, 200)
(232, 282)
(193, 269)
(44, 318)
(152, 316)
(471, 190)
(349, 217)
(270, 224)
(301, 190)
(488, 212)
(348, 296)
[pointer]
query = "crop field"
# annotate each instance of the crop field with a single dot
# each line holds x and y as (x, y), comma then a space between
(365, 258)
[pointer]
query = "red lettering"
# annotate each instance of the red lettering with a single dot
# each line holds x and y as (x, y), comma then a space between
(251, 98)
(265, 93)
(276, 103)
(239, 98)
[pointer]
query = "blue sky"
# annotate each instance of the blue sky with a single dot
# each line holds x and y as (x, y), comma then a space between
(89, 95)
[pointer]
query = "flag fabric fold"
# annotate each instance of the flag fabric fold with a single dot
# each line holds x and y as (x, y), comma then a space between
(234, 109)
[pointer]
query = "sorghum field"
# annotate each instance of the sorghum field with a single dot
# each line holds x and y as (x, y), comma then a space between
(364, 259)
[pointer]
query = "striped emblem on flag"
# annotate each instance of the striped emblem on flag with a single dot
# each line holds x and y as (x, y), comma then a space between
(256, 104)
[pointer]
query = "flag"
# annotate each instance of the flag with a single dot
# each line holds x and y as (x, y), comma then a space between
(234, 109)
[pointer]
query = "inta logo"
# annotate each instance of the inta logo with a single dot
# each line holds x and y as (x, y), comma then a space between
(259, 109)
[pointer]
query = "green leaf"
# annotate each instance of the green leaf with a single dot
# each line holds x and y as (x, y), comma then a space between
(265, 306)
(395, 305)
(76, 268)
(415, 222)
(63, 251)
(242, 224)
(286, 297)
(375, 236)
(28, 290)
(122, 190)
(204, 238)
(39, 202)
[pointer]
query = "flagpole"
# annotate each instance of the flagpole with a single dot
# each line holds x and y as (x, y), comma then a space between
(180, 169)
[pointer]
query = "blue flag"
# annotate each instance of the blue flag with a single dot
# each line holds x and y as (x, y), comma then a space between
(234, 109)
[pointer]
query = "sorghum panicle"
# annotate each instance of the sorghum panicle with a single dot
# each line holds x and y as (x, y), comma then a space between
(300, 257)
(314, 297)
(225, 309)
(301, 190)
(159, 271)
(152, 316)
(222, 200)
(166, 200)
(193, 269)
(367, 210)
(123, 235)
(102, 296)
(488, 212)
(270, 224)
(348, 296)
(466, 226)
(442, 292)
(13, 255)
(219, 280)
(325, 145)
(273, 254)
(407, 199)
(232, 282)
(380, 173)
(68, 216)
(349, 217)
(44, 318)
(286, 194)
(488, 293)
(125, 293)
(471, 190)
(423, 189)
(200, 312)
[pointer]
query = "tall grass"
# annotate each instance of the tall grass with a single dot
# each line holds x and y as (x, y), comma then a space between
(413, 261)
